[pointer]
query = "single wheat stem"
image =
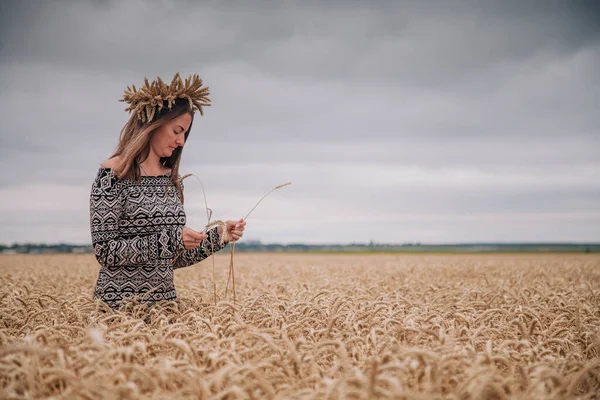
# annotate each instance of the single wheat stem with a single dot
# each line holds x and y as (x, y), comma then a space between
(213, 272)
(232, 271)
(276, 187)
(230, 267)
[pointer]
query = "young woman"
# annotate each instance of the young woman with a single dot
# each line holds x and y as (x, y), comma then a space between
(137, 219)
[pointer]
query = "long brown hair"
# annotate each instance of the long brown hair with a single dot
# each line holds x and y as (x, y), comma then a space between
(134, 144)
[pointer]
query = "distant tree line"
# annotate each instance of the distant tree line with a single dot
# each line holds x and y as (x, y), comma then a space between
(34, 248)
(371, 247)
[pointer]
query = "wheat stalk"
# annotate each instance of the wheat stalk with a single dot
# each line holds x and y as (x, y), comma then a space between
(232, 247)
(276, 187)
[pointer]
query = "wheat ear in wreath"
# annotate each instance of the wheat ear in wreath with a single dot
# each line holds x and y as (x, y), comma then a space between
(153, 96)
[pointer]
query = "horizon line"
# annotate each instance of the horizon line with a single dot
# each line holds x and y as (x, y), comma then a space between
(368, 243)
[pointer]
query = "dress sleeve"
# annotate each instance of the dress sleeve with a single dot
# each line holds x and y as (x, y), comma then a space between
(209, 246)
(111, 246)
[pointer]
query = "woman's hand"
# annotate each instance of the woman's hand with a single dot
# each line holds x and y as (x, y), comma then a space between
(235, 230)
(192, 239)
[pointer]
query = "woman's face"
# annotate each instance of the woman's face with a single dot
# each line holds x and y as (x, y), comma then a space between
(171, 135)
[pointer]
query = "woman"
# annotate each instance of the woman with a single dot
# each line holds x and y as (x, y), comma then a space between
(137, 219)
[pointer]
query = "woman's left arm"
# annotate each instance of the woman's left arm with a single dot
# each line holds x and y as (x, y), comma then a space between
(207, 247)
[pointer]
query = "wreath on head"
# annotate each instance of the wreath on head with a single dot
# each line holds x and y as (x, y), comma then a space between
(152, 97)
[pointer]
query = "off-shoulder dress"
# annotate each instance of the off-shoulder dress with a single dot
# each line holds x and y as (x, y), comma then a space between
(136, 230)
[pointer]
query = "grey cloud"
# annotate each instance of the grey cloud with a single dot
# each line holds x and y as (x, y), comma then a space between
(429, 43)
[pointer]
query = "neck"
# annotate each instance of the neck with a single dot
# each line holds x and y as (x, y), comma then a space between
(152, 165)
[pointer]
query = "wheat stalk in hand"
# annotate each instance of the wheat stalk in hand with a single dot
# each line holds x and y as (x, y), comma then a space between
(224, 237)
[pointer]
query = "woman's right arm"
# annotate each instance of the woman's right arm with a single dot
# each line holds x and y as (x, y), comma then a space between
(111, 246)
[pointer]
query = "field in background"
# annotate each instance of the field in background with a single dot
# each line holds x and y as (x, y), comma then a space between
(310, 326)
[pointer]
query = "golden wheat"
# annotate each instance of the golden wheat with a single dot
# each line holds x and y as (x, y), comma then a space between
(310, 327)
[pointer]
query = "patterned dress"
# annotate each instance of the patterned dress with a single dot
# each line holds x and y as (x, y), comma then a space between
(136, 230)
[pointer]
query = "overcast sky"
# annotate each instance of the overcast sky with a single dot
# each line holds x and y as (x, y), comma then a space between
(428, 121)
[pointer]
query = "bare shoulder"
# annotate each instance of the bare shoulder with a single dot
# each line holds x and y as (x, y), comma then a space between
(111, 162)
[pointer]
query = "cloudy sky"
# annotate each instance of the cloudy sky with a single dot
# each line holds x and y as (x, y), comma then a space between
(430, 121)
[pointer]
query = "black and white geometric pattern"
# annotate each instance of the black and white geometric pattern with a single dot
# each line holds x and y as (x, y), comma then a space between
(136, 230)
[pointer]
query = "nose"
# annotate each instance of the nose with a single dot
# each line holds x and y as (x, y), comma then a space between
(179, 141)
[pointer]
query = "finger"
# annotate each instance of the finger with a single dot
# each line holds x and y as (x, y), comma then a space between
(198, 235)
(196, 240)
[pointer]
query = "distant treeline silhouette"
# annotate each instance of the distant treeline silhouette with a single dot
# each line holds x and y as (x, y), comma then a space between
(257, 246)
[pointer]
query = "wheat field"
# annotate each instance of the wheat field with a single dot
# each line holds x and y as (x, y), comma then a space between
(309, 327)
